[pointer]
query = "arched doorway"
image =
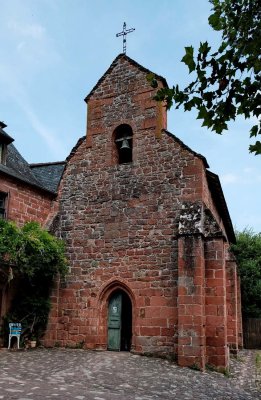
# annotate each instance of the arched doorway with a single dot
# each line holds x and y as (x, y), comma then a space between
(119, 321)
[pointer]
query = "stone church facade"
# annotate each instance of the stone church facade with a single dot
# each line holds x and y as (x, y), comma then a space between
(147, 235)
(147, 232)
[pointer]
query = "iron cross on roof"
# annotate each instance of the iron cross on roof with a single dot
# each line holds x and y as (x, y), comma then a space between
(124, 34)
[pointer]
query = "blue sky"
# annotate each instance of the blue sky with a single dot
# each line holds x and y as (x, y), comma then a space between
(54, 51)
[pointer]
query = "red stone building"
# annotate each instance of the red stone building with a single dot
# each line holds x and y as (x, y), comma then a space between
(147, 233)
(26, 194)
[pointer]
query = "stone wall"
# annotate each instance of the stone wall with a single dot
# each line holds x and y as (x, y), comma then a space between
(120, 221)
(149, 228)
(24, 202)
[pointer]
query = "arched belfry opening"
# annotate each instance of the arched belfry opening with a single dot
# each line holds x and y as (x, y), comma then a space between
(119, 321)
(123, 140)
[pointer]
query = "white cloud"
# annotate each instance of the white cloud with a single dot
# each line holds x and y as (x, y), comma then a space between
(33, 31)
(55, 145)
(15, 90)
(229, 178)
(248, 176)
(27, 45)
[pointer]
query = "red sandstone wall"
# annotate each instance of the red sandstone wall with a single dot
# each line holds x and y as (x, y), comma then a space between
(25, 203)
(120, 223)
(216, 303)
(191, 302)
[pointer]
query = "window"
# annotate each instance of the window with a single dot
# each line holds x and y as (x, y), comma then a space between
(123, 140)
(3, 197)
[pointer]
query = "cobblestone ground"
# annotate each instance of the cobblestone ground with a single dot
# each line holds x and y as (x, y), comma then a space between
(78, 374)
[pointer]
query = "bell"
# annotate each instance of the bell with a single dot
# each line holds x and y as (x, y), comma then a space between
(125, 145)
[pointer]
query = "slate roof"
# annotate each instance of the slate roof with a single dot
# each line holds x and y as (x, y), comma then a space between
(132, 62)
(18, 168)
(49, 174)
(45, 176)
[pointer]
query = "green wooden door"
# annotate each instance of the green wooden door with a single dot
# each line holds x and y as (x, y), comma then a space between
(114, 322)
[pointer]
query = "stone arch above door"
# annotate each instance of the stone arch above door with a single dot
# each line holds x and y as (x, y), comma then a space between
(103, 300)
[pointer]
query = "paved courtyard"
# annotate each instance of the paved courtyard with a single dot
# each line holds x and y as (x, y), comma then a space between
(79, 374)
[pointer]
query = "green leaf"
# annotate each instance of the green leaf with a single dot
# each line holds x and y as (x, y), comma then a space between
(202, 114)
(197, 100)
(255, 148)
(231, 74)
(204, 48)
(254, 131)
(188, 58)
(214, 21)
(201, 74)
(257, 66)
(189, 105)
(222, 47)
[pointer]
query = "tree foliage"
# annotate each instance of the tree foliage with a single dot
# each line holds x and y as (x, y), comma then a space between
(248, 253)
(34, 258)
(31, 250)
(227, 81)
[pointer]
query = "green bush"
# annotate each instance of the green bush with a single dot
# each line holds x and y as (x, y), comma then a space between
(34, 258)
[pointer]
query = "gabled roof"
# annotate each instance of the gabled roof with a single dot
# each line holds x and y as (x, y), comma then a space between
(49, 174)
(18, 168)
(132, 62)
(42, 176)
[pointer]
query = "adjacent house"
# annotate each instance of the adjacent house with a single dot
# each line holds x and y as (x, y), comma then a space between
(26, 194)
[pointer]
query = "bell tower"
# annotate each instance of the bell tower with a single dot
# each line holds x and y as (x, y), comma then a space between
(121, 108)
